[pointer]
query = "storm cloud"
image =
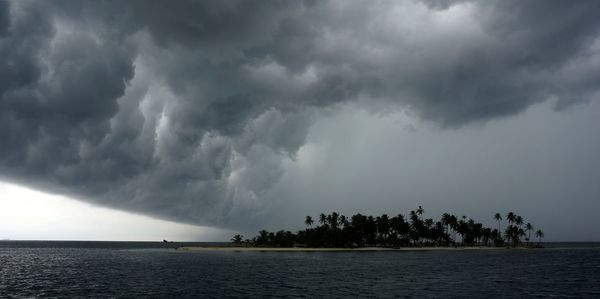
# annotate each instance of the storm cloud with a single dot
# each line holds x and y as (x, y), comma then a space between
(187, 110)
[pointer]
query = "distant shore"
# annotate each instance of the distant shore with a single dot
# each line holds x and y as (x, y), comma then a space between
(327, 249)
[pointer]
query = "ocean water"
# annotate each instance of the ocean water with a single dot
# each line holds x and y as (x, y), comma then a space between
(125, 269)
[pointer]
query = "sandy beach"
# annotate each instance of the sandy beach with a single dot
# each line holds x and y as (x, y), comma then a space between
(307, 249)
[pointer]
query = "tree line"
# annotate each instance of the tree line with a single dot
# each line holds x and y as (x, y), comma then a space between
(336, 230)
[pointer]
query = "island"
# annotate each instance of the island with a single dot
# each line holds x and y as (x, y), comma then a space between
(337, 232)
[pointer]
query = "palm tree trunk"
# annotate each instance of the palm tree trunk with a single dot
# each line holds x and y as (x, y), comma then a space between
(498, 226)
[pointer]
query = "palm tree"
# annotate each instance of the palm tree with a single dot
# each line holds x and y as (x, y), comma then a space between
(237, 239)
(322, 218)
(529, 228)
(439, 233)
(521, 232)
(370, 230)
(400, 228)
(343, 221)
(512, 235)
(498, 218)
(420, 211)
(446, 220)
(384, 227)
(462, 228)
(486, 233)
(454, 226)
(519, 221)
(415, 225)
(428, 225)
(496, 235)
(511, 217)
(333, 220)
(262, 238)
(309, 221)
(540, 234)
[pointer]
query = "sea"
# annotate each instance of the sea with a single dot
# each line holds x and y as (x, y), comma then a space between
(156, 270)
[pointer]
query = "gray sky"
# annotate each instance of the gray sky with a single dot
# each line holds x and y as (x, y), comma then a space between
(251, 114)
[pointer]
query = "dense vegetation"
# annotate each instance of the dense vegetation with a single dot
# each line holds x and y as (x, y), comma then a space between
(337, 230)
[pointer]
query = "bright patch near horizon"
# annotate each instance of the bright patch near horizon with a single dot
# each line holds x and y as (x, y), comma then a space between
(28, 214)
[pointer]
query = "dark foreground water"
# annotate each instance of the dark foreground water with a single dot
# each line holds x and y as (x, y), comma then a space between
(91, 269)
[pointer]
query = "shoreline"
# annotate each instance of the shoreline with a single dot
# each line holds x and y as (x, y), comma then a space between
(326, 249)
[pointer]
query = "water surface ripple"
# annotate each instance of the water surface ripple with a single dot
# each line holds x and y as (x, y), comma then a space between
(130, 271)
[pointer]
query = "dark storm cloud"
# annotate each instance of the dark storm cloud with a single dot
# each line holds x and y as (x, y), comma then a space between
(184, 110)
(4, 18)
(442, 4)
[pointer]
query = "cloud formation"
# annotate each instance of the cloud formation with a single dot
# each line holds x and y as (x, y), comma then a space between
(186, 110)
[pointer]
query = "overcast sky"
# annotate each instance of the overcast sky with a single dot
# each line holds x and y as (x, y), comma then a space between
(240, 115)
